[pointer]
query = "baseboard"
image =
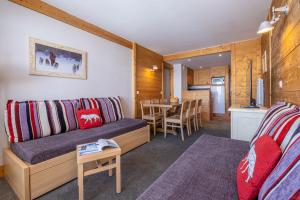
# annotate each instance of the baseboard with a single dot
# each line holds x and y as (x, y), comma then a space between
(1, 171)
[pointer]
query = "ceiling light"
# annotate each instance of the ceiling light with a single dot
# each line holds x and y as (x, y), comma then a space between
(220, 55)
(189, 60)
(200, 67)
(267, 26)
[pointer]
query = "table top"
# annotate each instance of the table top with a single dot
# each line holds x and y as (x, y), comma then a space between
(162, 105)
(108, 152)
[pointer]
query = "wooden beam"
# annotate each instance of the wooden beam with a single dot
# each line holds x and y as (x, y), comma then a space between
(60, 15)
(133, 79)
(205, 51)
(198, 52)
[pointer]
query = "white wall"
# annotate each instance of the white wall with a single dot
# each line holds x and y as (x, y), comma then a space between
(177, 80)
(109, 64)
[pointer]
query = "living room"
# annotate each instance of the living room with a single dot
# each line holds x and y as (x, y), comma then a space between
(148, 79)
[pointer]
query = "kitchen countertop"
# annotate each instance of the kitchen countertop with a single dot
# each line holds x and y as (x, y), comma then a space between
(237, 108)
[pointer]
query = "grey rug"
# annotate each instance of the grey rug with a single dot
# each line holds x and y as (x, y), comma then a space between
(140, 168)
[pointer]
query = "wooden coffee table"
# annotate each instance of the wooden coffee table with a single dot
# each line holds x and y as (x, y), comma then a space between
(91, 163)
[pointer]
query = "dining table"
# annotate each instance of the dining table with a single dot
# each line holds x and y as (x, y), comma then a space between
(164, 106)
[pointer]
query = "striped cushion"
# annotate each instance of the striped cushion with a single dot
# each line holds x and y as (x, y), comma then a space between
(30, 120)
(286, 130)
(273, 116)
(62, 115)
(110, 107)
(284, 180)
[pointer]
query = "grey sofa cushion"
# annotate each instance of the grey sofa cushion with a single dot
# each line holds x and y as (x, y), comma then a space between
(206, 170)
(36, 151)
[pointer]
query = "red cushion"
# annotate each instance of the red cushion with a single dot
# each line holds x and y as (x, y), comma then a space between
(256, 166)
(89, 118)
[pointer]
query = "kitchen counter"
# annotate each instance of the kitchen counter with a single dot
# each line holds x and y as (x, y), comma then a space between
(199, 87)
(245, 121)
(237, 108)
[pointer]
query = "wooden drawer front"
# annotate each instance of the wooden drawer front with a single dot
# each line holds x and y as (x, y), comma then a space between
(133, 139)
(51, 178)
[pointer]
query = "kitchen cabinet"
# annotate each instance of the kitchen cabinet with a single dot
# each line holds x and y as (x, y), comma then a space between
(202, 77)
(245, 122)
(190, 76)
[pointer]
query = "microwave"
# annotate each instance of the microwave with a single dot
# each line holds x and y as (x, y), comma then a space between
(218, 80)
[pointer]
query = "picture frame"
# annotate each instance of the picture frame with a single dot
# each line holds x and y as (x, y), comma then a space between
(50, 59)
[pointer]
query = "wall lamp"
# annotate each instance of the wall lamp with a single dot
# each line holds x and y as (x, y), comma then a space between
(154, 68)
(267, 26)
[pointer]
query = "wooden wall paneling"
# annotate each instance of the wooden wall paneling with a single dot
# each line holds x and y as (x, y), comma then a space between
(148, 83)
(285, 59)
(243, 52)
(60, 15)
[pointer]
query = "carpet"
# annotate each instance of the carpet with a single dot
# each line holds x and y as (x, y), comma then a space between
(140, 168)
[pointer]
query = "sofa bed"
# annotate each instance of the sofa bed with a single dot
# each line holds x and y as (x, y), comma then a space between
(38, 161)
(208, 168)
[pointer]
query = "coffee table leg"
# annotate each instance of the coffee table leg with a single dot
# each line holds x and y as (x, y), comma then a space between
(110, 171)
(80, 182)
(118, 174)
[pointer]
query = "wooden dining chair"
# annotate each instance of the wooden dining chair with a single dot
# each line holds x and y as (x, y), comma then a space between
(199, 113)
(179, 121)
(156, 110)
(192, 115)
(150, 116)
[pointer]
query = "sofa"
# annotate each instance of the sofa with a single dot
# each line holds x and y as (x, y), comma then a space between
(208, 168)
(44, 158)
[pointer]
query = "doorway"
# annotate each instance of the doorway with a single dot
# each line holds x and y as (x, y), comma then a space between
(168, 81)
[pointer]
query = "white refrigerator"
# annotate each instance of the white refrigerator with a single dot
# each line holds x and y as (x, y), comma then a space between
(217, 90)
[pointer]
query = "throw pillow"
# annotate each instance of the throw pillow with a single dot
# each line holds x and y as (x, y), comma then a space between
(110, 107)
(89, 118)
(284, 181)
(274, 115)
(253, 170)
(29, 120)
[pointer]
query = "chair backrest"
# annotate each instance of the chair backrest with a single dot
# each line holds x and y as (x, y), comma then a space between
(155, 109)
(199, 106)
(192, 110)
(185, 109)
(145, 109)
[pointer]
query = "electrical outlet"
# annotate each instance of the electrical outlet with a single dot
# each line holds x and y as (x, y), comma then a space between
(280, 84)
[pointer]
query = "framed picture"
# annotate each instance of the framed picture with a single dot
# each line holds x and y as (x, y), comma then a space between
(49, 59)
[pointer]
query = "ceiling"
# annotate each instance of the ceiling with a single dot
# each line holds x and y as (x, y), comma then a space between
(211, 60)
(169, 26)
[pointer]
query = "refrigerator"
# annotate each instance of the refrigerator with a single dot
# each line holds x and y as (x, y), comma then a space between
(217, 90)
